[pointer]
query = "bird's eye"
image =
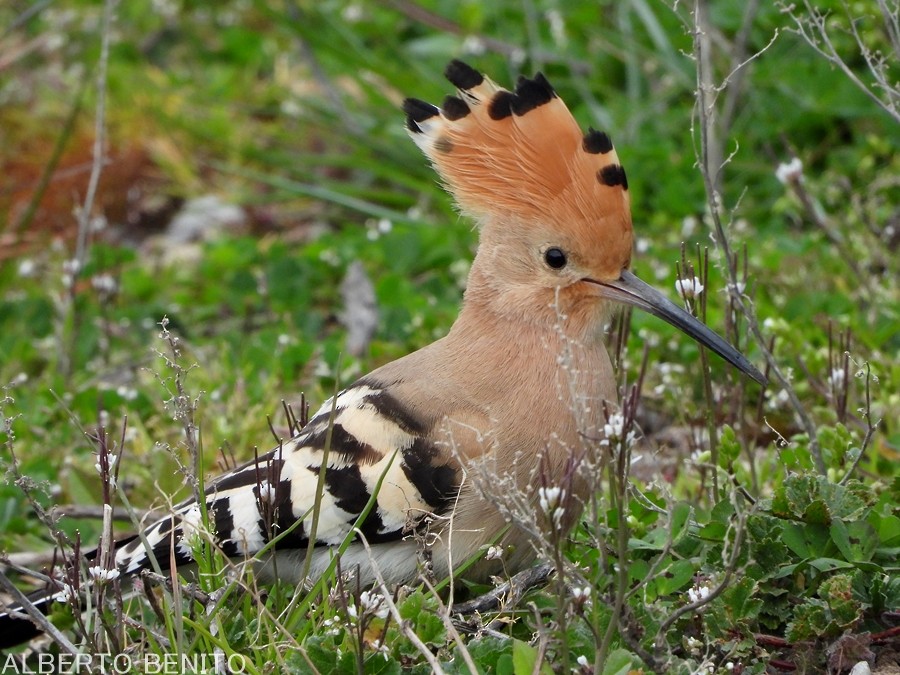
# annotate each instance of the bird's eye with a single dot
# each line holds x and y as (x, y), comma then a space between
(555, 258)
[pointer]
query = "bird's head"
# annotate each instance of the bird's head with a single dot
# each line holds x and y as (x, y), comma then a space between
(551, 202)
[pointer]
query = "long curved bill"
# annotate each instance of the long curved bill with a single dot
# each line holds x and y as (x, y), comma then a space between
(630, 290)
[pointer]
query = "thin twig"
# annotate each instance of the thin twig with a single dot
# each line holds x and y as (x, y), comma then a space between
(506, 594)
(715, 208)
(84, 216)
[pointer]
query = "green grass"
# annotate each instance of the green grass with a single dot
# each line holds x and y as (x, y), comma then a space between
(293, 111)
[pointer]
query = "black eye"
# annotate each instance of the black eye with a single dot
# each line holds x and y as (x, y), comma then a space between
(555, 258)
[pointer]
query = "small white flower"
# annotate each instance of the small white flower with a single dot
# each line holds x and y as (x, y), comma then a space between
(474, 45)
(101, 574)
(385, 225)
(582, 661)
(614, 427)
(494, 553)
(838, 377)
(111, 459)
(291, 107)
(614, 430)
(694, 645)
(353, 13)
(689, 288)
(27, 268)
(330, 257)
(64, 595)
(104, 284)
(128, 393)
(550, 500)
(284, 339)
(581, 593)
(71, 266)
(698, 593)
(383, 649)
(729, 665)
(790, 171)
(371, 602)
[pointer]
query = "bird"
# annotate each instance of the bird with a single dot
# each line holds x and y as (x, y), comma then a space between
(515, 391)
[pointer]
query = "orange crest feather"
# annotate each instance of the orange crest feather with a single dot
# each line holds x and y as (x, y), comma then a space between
(519, 154)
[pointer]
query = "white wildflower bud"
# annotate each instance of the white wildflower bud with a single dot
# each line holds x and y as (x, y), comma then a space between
(790, 171)
(64, 595)
(101, 574)
(614, 427)
(689, 288)
(581, 594)
(698, 593)
(614, 430)
(353, 13)
(473, 45)
(371, 602)
(494, 553)
(838, 377)
(550, 500)
(738, 287)
(104, 284)
(128, 393)
(27, 268)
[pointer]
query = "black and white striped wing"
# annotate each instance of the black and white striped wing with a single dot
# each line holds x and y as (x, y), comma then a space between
(372, 435)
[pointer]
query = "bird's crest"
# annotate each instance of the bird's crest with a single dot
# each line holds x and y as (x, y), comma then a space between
(520, 155)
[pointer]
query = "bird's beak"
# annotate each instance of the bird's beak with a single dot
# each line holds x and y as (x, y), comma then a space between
(630, 290)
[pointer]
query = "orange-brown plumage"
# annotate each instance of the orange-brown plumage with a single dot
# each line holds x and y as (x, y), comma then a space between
(520, 158)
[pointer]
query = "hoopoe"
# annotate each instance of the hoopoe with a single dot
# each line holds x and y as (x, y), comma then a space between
(516, 388)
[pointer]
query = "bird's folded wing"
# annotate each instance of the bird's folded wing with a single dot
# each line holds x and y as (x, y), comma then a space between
(365, 436)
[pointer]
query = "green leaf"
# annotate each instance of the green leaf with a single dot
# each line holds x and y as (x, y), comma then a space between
(411, 607)
(794, 538)
(829, 564)
(675, 577)
(430, 628)
(620, 662)
(729, 447)
(490, 654)
(889, 530)
(681, 514)
(525, 658)
(841, 537)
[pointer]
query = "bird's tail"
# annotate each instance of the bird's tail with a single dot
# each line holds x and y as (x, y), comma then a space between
(16, 627)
